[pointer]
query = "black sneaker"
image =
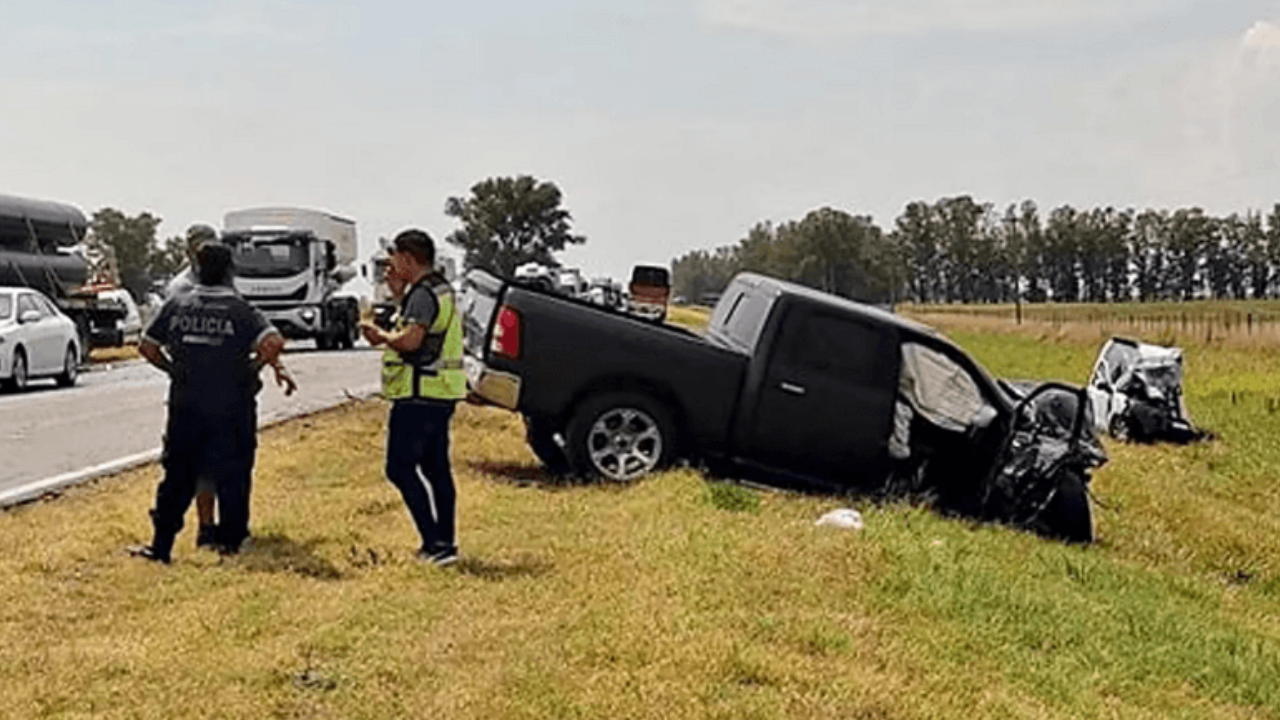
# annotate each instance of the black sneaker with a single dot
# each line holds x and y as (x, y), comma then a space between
(439, 558)
(207, 536)
(146, 552)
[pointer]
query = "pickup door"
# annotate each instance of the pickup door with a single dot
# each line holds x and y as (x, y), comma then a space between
(826, 401)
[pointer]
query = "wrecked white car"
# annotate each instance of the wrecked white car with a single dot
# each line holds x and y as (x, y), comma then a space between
(1136, 393)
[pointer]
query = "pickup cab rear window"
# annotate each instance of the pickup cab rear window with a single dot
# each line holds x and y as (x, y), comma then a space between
(740, 317)
(6, 306)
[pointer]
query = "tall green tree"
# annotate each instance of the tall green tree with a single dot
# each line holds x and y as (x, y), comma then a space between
(1191, 232)
(169, 258)
(1062, 253)
(507, 222)
(1147, 241)
(1273, 248)
(959, 221)
(1258, 268)
(917, 238)
(132, 240)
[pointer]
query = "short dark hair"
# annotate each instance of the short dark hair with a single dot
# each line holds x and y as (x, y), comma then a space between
(200, 233)
(418, 244)
(214, 260)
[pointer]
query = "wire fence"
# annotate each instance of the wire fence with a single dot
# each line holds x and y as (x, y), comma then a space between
(1205, 324)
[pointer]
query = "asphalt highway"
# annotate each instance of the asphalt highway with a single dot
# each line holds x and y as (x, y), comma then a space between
(114, 418)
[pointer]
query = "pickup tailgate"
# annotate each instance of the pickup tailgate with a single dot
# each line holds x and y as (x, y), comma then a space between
(569, 350)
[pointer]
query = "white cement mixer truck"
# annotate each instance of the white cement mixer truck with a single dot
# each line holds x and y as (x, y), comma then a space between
(291, 263)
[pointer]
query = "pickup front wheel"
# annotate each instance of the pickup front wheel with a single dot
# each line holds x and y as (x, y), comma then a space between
(620, 436)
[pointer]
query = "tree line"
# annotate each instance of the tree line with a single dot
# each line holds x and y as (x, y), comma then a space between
(957, 250)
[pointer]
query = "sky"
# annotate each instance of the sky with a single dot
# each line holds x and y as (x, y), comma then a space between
(668, 125)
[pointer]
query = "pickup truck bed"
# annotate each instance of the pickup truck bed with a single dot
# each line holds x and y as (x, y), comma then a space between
(584, 350)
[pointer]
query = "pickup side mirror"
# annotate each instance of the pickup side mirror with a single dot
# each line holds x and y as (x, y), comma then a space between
(29, 316)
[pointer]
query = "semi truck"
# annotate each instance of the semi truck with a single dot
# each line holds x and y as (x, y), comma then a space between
(291, 264)
(42, 246)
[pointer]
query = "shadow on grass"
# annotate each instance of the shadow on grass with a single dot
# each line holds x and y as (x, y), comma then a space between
(277, 553)
(525, 475)
(495, 571)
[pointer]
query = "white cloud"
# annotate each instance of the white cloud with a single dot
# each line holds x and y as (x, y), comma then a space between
(837, 18)
(1196, 129)
(1261, 36)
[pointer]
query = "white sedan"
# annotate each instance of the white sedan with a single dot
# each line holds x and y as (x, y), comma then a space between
(36, 340)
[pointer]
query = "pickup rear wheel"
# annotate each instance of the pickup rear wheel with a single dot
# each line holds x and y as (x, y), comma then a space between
(620, 436)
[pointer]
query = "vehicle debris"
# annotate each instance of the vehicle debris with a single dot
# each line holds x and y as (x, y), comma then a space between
(843, 518)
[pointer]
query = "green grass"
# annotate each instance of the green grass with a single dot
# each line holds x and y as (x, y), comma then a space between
(673, 597)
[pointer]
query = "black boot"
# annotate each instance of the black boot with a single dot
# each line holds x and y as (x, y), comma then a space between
(158, 551)
(147, 552)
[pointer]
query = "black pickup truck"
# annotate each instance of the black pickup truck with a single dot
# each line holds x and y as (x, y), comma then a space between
(786, 384)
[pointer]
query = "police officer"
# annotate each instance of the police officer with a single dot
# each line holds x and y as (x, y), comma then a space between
(182, 283)
(206, 341)
(422, 376)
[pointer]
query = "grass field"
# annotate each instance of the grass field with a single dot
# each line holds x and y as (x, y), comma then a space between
(1239, 323)
(670, 598)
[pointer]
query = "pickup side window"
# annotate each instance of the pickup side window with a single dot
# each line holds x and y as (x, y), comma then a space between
(746, 318)
(840, 348)
(725, 309)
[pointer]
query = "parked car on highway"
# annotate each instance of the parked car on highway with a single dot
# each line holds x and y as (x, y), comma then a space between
(787, 384)
(36, 340)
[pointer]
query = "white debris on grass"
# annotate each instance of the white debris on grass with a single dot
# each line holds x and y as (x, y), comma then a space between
(845, 518)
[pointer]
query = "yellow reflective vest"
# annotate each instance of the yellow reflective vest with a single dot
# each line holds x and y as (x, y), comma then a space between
(437, 375)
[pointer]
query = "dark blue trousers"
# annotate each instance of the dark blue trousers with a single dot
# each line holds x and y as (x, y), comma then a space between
(222, 448)
(418, 465)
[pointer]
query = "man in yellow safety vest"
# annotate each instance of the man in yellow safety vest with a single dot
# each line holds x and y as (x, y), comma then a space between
(422, 377)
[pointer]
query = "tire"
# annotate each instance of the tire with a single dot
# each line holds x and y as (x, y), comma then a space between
(540, 434)
(1069, 516)
(350, 332)
(1119, 429)
(324, 341)
(70, 368)
(17, 381)
(620, 437)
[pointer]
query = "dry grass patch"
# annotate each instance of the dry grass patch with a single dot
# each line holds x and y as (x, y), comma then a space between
(669, 598)
(571, 600)
(103, 355)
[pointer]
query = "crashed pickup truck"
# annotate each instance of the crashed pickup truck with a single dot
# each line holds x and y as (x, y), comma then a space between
(786, 384)
(1136, 393)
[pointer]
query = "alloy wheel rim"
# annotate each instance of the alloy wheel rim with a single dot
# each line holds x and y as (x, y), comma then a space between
(624, 443)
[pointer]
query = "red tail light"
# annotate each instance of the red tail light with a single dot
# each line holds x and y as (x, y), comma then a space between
(506, 333)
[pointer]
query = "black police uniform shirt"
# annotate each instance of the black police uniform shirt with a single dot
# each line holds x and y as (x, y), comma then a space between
(210, 334)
